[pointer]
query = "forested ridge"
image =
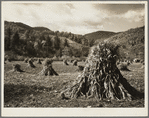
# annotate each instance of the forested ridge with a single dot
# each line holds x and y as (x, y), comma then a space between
(24, 40)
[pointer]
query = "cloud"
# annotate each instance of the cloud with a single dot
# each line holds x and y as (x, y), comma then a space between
(84, 16)
(134, 16)
(74, 17)
(114, 9)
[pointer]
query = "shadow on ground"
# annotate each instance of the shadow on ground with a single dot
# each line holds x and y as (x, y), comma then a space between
(17, 92)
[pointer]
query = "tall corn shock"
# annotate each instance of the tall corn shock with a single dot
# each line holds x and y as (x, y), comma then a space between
(101, 78)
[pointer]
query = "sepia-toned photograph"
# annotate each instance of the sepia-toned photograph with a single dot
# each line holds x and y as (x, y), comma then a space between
(86, 58)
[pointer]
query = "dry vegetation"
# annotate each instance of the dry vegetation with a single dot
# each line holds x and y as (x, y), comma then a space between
(101, 78)
(27, 89)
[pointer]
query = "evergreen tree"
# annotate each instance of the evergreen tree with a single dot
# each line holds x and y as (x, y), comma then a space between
(75, 39)
(90, 42)
(30, 49)
(15, 40)
(48, 41)
(79, 40)
(56, 42)
(27, 34)
(7, 43)
(8, 34)
(48, 45)
(66, 43)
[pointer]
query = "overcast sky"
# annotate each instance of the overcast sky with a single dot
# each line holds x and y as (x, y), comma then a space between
(78, 18)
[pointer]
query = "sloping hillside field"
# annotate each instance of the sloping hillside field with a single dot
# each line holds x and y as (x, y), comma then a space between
(28, 89)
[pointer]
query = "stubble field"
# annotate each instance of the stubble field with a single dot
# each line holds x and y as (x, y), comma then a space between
(28, 89)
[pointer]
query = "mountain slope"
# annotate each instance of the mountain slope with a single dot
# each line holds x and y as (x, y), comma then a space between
(41, 29)
(20, 25)
(33, 39)
(99, 35)
(131, 42)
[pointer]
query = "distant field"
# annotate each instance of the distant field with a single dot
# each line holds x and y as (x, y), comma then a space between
(27, 89)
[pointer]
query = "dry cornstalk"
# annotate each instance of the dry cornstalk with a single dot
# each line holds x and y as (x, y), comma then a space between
(71, 61)
(75, 63)
(16, 68)
(80, 68)
(128, 63)
(39, 61)
(47, 68)
(26, 60)
(101, 78)
(9, 60)
(65, 62)
(30, 63)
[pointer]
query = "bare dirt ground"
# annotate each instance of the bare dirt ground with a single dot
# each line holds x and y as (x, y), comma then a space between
(27, 89)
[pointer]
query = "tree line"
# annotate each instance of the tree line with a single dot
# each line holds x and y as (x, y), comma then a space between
(41, 43)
